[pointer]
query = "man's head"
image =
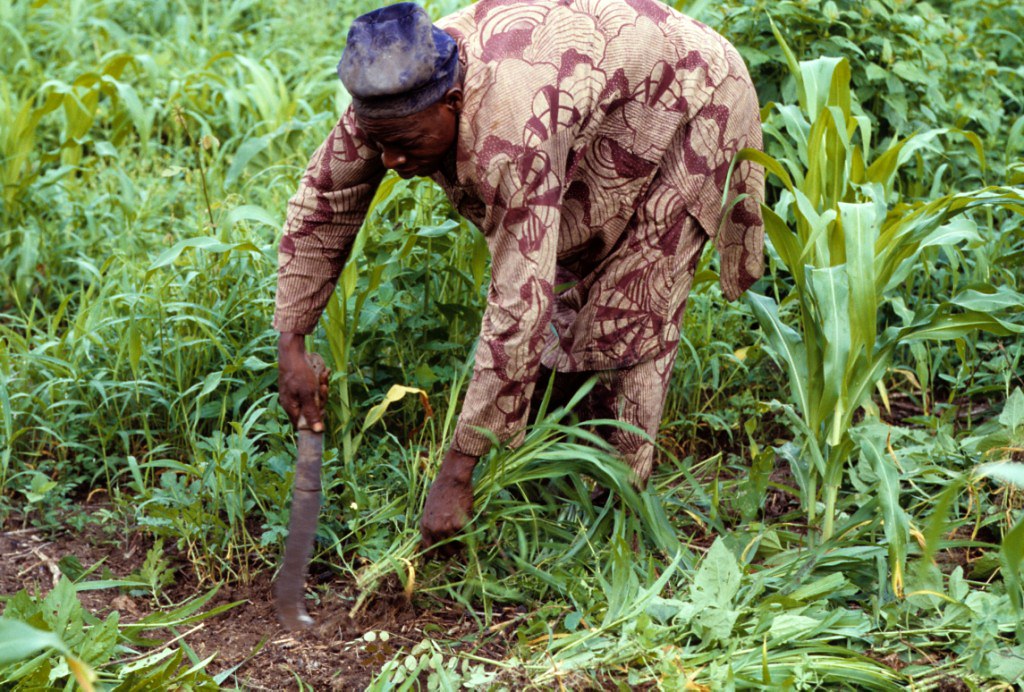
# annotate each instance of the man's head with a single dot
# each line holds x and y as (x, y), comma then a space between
(403, 75)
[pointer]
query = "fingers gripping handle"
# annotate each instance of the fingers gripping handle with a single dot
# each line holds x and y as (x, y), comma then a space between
(319, 368)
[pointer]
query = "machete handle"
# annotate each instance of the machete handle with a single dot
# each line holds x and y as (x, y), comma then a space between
(320, 369)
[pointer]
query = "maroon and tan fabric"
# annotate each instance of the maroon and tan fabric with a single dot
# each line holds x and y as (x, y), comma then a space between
(634, 394)
(593, 153)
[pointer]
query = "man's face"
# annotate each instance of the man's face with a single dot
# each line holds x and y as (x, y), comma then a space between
(416, 144)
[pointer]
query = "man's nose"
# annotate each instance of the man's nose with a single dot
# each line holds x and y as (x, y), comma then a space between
(392, 159)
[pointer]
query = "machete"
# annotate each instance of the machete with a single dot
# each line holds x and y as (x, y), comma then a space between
(290, 588)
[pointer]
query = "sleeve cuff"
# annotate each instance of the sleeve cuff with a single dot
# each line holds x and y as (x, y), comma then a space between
(295, 324)
(476, 444)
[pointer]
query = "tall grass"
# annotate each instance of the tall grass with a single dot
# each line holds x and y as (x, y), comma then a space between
(147, 151)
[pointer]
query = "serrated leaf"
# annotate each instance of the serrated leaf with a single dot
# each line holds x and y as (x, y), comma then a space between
(718, 577)
(715, 624)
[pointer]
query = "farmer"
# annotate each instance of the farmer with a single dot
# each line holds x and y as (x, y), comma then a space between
(590, 141)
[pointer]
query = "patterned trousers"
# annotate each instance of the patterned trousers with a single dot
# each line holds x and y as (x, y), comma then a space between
(633, 395)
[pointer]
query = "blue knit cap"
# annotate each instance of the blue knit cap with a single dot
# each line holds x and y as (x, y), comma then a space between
(396, 62)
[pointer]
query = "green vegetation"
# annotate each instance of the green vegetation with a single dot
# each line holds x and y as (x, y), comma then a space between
(838, 501)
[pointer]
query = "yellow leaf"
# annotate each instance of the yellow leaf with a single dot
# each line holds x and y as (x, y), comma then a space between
(82, 672)
(396, 393)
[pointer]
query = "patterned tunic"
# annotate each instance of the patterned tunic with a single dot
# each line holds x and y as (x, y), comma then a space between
(592, 133)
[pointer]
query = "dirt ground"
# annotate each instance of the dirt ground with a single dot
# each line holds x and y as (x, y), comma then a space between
(332, 655)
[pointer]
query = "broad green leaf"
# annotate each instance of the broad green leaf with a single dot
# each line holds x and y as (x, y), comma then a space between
(820, 588)
(958, 230)
(211, 382)
(860, 229)
(1006, 665)
(1008, 472)
(666, 610)
(715, 623)
(872, 439)
(19, 641)
(438, 231)
(1000, 300)
(785, 243)
(769, 164)
(1013, 412)
(1011, 553)
(907, 231)
(790, 626)
(796, 131)
(911, 72)
(818, 227)
(830, 289)
(254, 364)
(955, 326)
(205, 243)
(786, 345)
(478, 263)
(817, 83)
(718, 577)
(252, 212)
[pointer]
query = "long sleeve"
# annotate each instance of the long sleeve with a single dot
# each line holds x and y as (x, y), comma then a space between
(731, 121)
(323, 219)
(522, 235)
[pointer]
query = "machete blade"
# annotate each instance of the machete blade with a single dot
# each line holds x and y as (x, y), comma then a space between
(289, 591)
(290, 587)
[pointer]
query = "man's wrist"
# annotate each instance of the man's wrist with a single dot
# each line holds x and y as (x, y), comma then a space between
(291, 342)
(458, 466)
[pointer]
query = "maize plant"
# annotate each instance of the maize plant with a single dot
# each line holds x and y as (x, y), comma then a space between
(847, 242)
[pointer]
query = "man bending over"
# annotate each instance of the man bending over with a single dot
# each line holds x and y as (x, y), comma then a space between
(590, 141)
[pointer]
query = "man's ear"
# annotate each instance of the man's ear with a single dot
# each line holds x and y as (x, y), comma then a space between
(453, 99)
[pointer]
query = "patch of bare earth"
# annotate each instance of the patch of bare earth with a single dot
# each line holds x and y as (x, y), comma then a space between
(331, 655)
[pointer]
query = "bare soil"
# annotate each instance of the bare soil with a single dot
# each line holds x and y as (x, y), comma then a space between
(332, 655)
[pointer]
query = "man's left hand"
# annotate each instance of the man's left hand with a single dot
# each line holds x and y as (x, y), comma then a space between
(450, 500)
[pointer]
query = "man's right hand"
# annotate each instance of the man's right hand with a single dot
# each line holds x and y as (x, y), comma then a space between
(301, 387)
